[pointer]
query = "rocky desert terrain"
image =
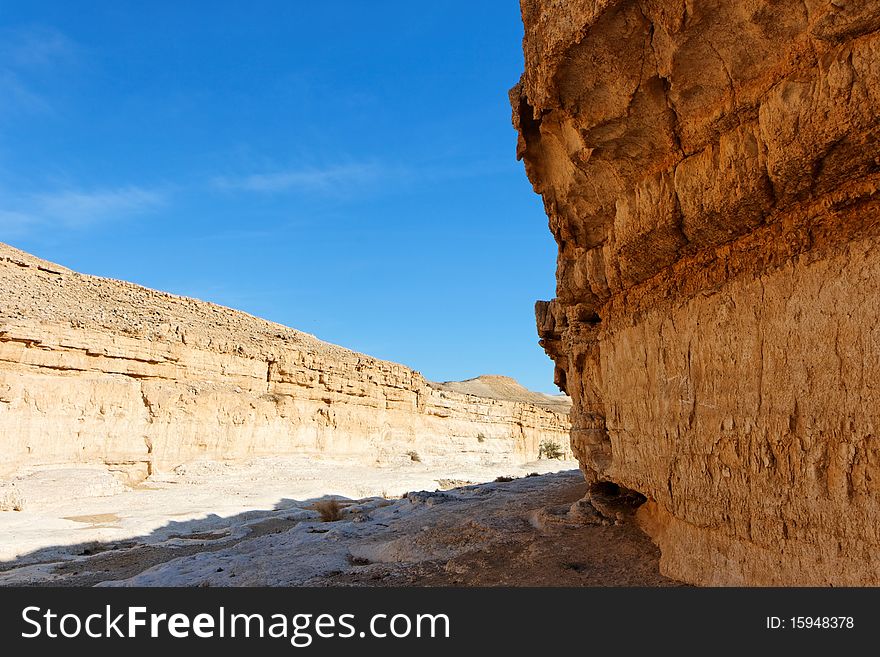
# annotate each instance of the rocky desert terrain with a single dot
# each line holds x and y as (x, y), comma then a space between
(710, 171)
(95, 371)
(711, 175)
(132, 420)
(528, 531)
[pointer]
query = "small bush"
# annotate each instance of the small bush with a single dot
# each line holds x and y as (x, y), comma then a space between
(329, 510)
(481, 437)
(449, 484)
(414, 456)
(502, 479)
(10, 498)
(549, 449)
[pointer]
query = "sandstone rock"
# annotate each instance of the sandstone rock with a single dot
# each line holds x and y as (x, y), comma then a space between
(100, 371)
(711, 171)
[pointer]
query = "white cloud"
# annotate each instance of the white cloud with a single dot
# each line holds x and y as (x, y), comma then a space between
(310, 179)
(30, 57)
(74, 209)
(35, 47)
(14, 223)
(17, 95)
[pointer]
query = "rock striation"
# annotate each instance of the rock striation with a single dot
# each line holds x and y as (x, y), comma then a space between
(100, 371)
(710, 171)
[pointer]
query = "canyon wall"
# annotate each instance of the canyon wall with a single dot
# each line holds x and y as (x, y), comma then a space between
(100, 371)
(710, 171)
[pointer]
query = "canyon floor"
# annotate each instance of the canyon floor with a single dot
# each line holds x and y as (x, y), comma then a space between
(260, 523)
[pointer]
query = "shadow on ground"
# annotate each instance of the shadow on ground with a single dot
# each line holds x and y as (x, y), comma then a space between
(525, 532)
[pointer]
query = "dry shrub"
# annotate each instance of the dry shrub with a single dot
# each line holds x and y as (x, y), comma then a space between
(550, 449)
(329, 510)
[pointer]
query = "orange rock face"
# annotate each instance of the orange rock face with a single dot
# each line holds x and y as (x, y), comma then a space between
(711, 171)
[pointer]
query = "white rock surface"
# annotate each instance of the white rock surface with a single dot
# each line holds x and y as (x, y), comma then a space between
(67, 510)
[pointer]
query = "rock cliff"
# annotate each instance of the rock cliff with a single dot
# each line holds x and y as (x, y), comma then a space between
(711, 171)
(101, 371)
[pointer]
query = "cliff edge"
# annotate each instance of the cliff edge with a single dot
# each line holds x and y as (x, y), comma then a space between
(97, 371)
(710, 171)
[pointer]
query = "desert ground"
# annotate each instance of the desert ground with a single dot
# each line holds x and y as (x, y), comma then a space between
(318, 521)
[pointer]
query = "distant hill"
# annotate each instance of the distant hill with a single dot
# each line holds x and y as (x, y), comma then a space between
(505, 388)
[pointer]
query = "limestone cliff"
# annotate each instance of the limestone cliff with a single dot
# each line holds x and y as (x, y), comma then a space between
(100, 371)
(710, 170)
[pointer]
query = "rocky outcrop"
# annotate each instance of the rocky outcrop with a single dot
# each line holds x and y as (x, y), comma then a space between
(711, 172)
(100, 371)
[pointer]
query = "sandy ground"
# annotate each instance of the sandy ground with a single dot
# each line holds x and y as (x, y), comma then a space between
(255, 523)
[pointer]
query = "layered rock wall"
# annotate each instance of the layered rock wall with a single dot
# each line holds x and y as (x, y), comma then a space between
(100, 371)
(711, 171)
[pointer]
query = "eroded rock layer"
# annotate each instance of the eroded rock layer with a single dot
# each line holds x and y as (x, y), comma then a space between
(100, 371)
(710, 170)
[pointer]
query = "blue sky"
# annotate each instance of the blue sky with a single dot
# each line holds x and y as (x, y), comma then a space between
(345, 168)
